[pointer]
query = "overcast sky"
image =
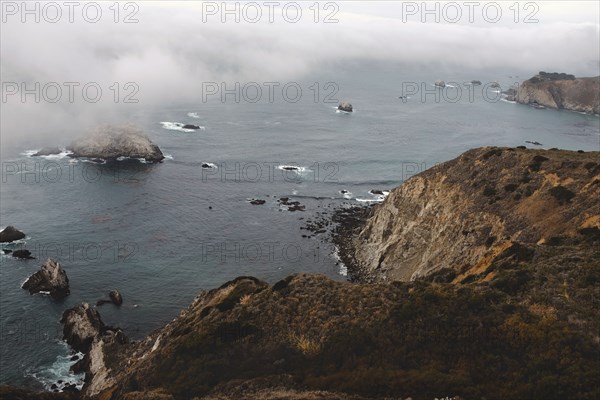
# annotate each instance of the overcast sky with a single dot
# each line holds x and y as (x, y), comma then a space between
(175, 46)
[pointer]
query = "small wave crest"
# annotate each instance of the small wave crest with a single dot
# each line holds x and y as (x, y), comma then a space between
(178, 126)
(59, 156)
(59, 374)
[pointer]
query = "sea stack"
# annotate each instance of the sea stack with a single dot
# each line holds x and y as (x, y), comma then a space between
(51, 278)
(111, 143)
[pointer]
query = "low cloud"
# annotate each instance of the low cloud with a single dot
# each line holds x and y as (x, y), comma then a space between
(171, 51)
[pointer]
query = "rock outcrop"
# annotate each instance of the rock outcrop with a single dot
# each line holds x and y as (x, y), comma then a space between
(561, 91)
(11, 234)
(111, 143)
(81, 325)
(23, 254)
(48, 151)
(114, 297)
(51, 279)
(101, 345)
(345, 106)
(463, 213)
(190, 126)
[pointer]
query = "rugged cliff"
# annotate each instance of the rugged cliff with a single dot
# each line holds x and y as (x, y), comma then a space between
(462, 214)
(498, 298)
(562, 91)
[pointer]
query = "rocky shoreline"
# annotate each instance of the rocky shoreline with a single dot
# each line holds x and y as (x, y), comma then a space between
(476, 278)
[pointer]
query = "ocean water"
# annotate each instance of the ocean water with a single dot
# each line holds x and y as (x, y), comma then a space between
(162, 233)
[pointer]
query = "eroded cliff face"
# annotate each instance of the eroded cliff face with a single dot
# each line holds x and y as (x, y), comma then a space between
(463, 213)
(582, 94)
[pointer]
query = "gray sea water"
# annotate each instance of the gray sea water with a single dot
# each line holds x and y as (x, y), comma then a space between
(162, 233)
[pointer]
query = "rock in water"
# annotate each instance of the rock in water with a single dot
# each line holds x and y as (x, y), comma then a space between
(345, 106)
(475, 82)
(82, 325)
(23, 253)
(48, 151)
(440, 84)
(116, 297)
(10, 234)
(190, 126)
(111, 143)
(50, 278)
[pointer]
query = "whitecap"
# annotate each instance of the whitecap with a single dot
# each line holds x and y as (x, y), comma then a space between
(347, 194)
(30, 153)
(343, 269)
(178, 126)
(193, 115)
(63, 153)
(60, 370)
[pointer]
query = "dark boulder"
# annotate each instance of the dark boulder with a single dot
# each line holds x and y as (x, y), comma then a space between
(50, 278)
(257, 202)
(116, 297)
(23, 253)
(190, 126)
(10, 234)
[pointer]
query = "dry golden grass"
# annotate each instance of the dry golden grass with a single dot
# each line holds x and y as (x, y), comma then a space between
(245, 299)
(303, 343)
